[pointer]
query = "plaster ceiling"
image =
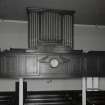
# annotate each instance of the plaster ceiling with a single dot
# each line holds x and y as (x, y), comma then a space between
(87, 11)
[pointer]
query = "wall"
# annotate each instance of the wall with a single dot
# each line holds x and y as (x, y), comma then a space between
(89, 37)
(13, 34)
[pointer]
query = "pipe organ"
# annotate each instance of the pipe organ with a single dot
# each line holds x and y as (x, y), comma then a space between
(50, 53)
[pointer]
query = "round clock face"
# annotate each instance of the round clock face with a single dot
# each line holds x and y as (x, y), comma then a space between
(54, 62)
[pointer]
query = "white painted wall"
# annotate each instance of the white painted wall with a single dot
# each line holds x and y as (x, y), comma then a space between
(86, 37)
(89, 37)
(13, 35)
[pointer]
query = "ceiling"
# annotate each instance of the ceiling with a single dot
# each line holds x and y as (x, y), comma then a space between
(87, 11)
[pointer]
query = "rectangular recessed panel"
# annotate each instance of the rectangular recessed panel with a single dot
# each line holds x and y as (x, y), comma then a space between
(70, 65)
(18, 64)
(96, 64)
